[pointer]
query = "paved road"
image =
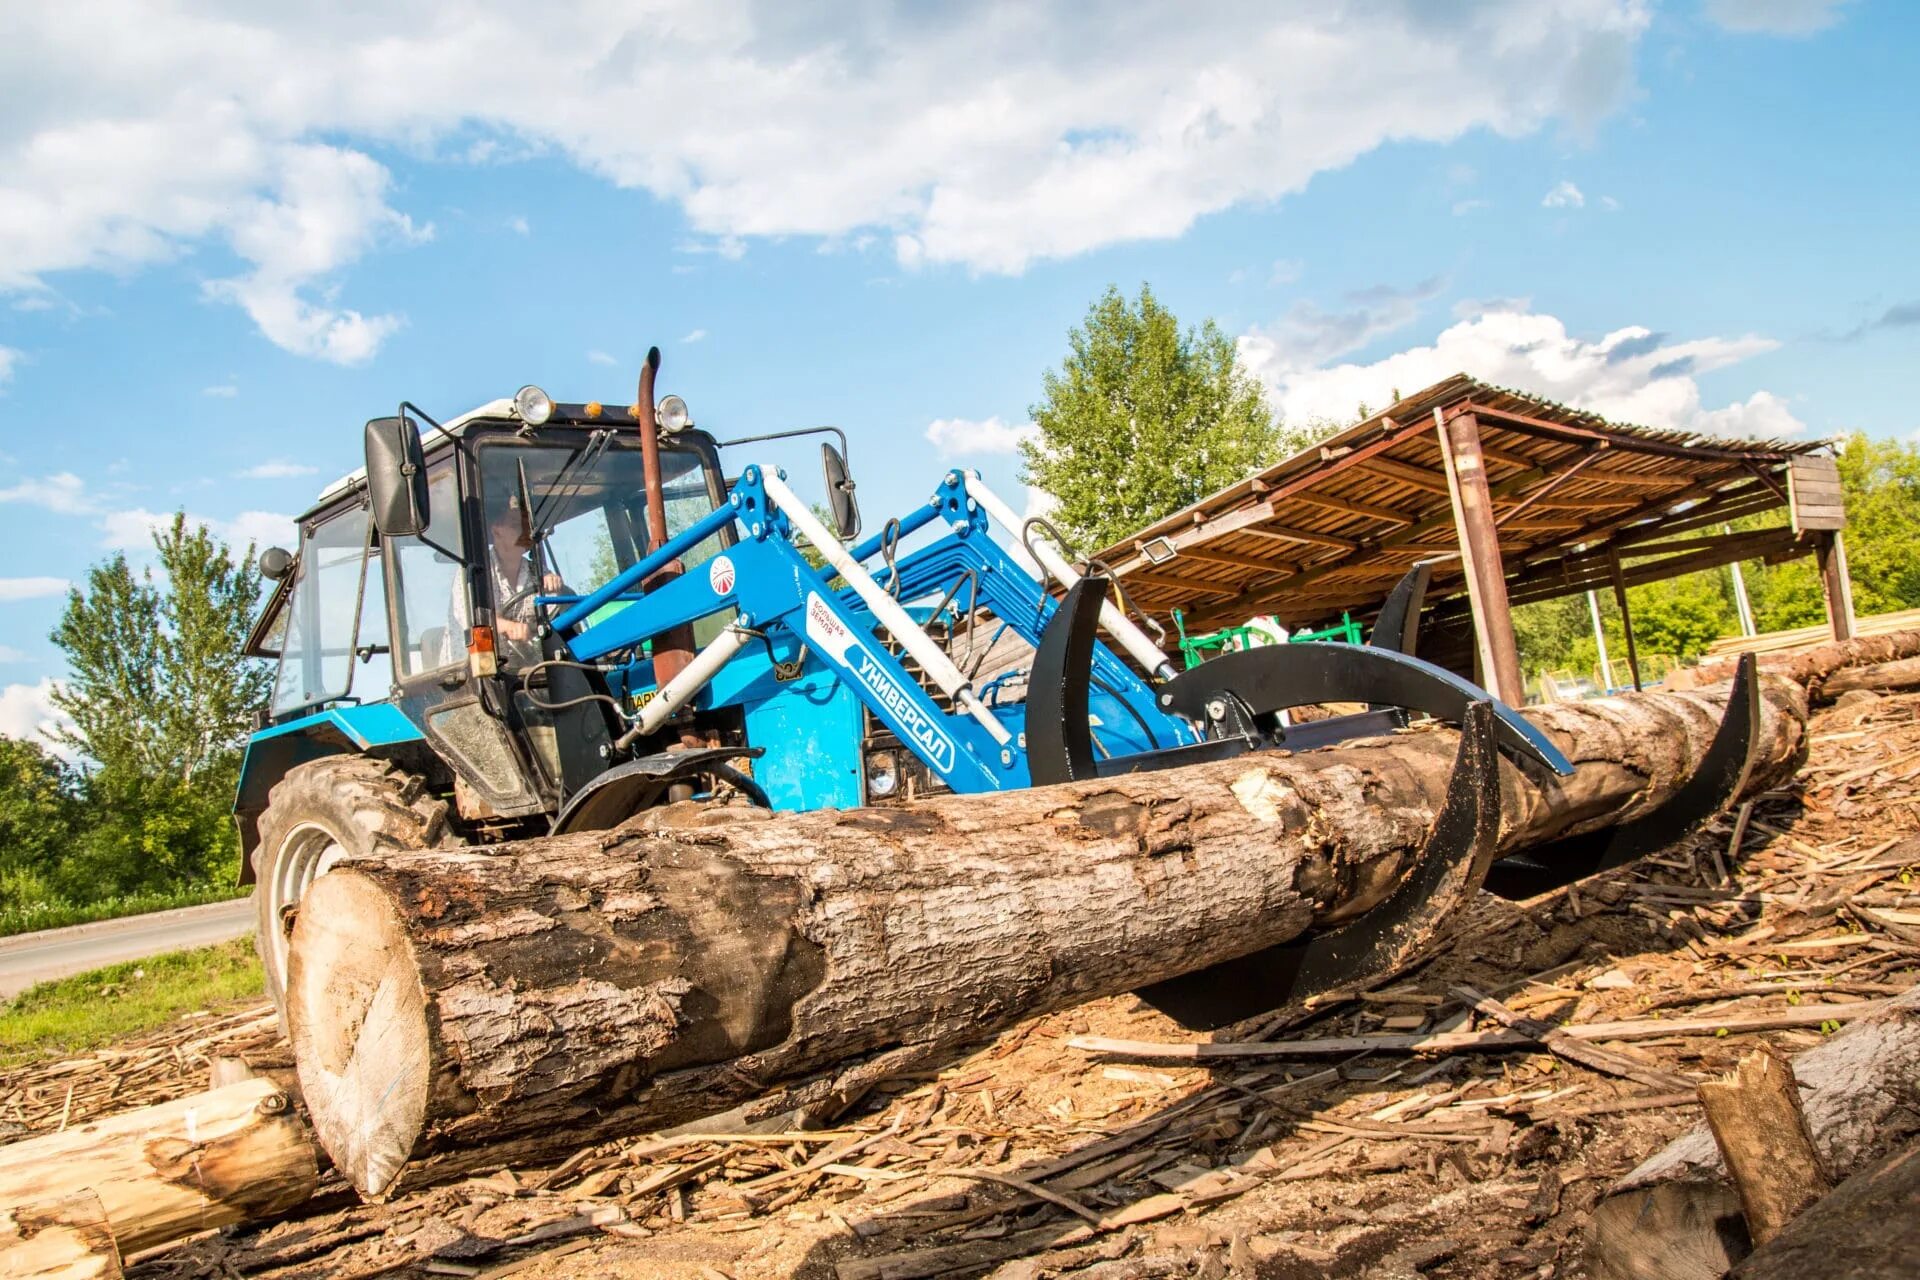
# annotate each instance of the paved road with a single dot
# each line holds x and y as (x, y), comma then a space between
(27, 958)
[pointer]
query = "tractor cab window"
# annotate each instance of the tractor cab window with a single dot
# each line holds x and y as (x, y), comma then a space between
(589, 506)
(336, 583)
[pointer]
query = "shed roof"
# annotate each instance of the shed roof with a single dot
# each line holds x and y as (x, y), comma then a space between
(1334, 527)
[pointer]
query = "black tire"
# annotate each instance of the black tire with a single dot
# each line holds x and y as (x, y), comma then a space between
(318, 812)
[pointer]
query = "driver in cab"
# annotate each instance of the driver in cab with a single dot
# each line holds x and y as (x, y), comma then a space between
(515, 584)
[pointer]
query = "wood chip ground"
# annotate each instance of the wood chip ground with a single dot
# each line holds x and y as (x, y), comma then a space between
(1030, 1158)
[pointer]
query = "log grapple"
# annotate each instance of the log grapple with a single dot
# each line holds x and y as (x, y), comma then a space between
(584, 619)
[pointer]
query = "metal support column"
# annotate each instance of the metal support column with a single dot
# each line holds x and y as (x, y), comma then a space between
(1473, 521)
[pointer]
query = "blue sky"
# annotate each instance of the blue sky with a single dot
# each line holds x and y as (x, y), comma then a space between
(229, 235)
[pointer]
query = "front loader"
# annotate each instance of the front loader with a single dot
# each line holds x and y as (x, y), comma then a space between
(544, 618)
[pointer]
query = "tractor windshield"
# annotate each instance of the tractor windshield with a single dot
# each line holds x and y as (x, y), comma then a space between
(591, 504)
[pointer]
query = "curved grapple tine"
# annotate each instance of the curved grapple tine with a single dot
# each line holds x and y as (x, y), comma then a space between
(1398, 626)
(1449, 871)
(1722, 772)
(1279, 676)
(1059, 731)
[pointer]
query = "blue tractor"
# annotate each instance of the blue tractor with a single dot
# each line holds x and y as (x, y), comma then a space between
(545, 617)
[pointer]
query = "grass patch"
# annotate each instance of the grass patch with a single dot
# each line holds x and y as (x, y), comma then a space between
(72, 1015)
(55, 913)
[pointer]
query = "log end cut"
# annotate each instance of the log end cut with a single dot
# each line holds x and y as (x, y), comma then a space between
(358, 1020)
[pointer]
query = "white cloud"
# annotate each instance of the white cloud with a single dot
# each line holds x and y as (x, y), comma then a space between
(519, 226)
(1309, 336)
(221, 391)
(1286, 271)
(1564, 196)
(989, 137)
(27, 711)
(278, 470)
(1631, 375)
(12, 589)
(9, 357)
(134, 530)
(1461, 208)
(695, 335)
(10, 654)
(1776, 17)
(1609, 204)
(959, 437)
(601, 357)
(64, 493)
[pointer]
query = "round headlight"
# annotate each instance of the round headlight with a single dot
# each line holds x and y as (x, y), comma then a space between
(672, 415)
(533, 405)
(883, 778)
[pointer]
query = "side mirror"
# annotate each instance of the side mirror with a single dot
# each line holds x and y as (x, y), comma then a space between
(846, 512)
(275, 563)
(397, 477)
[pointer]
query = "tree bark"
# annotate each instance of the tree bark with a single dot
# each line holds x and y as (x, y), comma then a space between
(1865, 1230)
(170, 1170)
(1756, 1119)
(1878, 678)
(1810, 668)
(1861, 1098)
(63, 1239)
(530, 998)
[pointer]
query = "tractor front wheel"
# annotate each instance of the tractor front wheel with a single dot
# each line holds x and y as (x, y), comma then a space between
(318, 813)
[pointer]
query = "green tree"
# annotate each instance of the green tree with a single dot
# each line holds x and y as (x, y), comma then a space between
(160, 698)
(1142, 419)
(157, 685)
(37, 816)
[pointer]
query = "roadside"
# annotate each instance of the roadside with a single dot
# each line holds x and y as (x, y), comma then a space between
(38, 917)
(28, 958)
(82, 1012)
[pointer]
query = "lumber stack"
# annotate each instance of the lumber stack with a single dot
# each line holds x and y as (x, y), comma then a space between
(73, 1202)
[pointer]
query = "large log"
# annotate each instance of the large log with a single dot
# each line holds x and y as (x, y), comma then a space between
(170, 1170)
(64, 1239)
(1810, 668)
(529, 998)
(1677, 1217)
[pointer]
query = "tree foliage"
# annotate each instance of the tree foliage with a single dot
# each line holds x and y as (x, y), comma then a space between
(159, 699)
(1142, 419)
(157, 686)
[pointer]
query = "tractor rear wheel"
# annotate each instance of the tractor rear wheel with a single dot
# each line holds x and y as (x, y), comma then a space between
(315, 815)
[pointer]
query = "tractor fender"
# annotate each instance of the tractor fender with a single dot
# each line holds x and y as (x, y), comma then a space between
(626, 789)
(375, 729)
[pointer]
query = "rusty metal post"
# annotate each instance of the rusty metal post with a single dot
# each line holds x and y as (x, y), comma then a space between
(673, 650)
(1831, 553)
(1473, 521)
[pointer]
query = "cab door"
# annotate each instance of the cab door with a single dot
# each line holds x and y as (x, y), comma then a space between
(433, 682)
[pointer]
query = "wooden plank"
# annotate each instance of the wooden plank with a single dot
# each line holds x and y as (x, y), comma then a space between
(1815, 496)
(1354, 505)
(1406, 473)
(1291, 534)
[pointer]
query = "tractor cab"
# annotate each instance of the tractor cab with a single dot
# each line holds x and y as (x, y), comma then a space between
(413, 630)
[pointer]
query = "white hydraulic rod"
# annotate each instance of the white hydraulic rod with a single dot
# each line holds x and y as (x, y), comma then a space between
(676, 692)
(899, 624)
(1122, 628)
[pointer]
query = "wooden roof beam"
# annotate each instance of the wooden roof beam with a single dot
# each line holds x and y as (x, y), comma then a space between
(1406, 473)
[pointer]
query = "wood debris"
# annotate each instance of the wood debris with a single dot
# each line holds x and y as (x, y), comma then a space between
(1025, 1158)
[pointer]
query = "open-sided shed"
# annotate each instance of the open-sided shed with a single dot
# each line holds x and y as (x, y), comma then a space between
(1508, 498)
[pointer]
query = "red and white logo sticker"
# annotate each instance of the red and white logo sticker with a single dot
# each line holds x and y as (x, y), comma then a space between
(720, 575)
